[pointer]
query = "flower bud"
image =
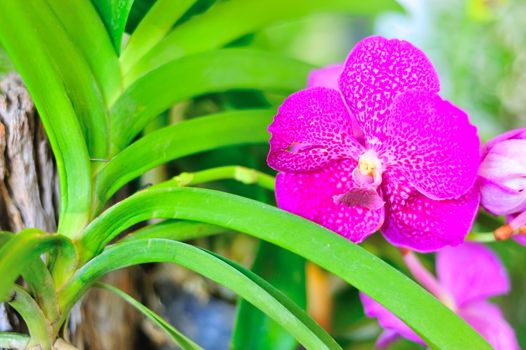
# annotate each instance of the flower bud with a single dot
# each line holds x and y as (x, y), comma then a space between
(503, 174)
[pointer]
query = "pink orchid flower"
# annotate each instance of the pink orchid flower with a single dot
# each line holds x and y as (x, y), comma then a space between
(465, 290)
(381, 151)
(503, 180)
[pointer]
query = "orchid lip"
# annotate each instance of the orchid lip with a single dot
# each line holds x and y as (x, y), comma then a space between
(369, 171)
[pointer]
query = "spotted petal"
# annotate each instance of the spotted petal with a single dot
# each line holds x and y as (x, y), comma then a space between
(488, 321)
(311, 195)
(423, 224)
(387, 320)
(311, 129)
(434, 143)
(471, 272)
(376, 72)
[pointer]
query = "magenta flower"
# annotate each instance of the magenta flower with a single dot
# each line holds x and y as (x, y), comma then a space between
(467, 276)
(383, 151)
(503, 179)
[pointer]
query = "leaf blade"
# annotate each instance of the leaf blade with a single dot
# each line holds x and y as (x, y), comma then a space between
(180, 339)
(285, 271)
(436, 324)
(211, 266)
(210, 72)
(152, 28)
(52, 102)
(86, 30)
(114, 14)
(230, 20)
(20, 251)
(179, 140)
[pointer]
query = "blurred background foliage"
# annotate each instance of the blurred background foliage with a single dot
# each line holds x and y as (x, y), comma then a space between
(479, 50)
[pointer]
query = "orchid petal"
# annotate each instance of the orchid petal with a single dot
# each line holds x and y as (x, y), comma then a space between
(423, 224)
(375, 73)
(311, 195)
(511, 134)
(521, 239)
(434, 143)
(387, 319)
(503, 160)
(311, 129)
(471, 272)
(499, 199)
(488, 321)
(386, 339)
(325, 77)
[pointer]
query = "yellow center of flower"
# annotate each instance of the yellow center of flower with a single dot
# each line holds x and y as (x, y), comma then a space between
(369, 164)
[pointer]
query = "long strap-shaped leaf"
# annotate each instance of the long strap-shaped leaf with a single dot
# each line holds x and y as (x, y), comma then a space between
(11, 340)
(435, 323)
(21, 251)
(75, 73)
(286, 272)
(179, 140)
(176, 230)
(226, 273)
(203, 73)
(46, 87)
(39, 282)
(86, 30)
(153, 27)
(229, 20)
(114, 13)
(179, 338)
(39, 328)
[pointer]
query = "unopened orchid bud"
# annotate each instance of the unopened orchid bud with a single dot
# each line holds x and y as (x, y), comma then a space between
(503, 174)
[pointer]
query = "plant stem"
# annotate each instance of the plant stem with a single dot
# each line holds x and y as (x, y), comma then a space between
(234, 172)
(484, 237)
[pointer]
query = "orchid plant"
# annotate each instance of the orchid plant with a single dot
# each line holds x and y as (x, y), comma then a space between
(378, 150)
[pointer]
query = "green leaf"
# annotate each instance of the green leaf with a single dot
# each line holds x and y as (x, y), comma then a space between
(153, 27)
(137, 12)
(11, 340)
(39, 282)
(20, 252)
(241, 281)
(176, 230)
(179, 140)
(27, 51)
(436, 324)
(229, 20)
(179, 338)
(285, 271)
(196, 75)
(76, 75)
(114, 14)
(6, 66)
(86, 30)
(39, 328)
